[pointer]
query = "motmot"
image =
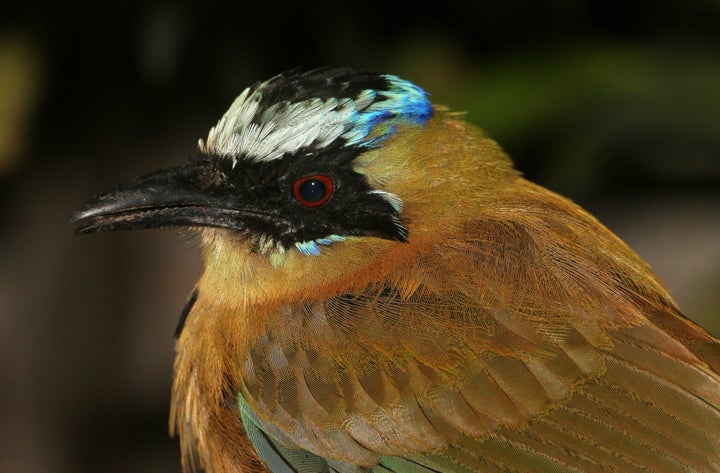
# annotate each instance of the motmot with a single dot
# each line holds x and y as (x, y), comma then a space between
(384, 292)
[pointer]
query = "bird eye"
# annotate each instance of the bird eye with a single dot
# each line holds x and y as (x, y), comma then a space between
(313, 191)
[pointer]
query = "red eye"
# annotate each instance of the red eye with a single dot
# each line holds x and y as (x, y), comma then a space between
(313, 191)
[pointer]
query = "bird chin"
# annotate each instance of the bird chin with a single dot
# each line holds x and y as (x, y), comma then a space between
(215, 240)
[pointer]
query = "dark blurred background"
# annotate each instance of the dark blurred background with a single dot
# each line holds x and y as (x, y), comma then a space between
(614, 104)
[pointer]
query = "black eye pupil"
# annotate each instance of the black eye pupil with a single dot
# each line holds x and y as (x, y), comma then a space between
(312, 190)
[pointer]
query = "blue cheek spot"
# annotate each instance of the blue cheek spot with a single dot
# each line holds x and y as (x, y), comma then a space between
(311, 248)
(308, 248)
(329, 240)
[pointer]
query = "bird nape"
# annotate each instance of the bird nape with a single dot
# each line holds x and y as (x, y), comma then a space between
(383, 292)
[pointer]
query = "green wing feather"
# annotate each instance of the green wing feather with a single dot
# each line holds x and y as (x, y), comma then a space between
(283, 459)
(278, 457)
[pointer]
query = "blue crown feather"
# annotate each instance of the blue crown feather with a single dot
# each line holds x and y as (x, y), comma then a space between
(402, 101)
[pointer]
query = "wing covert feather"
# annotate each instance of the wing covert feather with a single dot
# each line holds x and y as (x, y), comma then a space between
(529, 365)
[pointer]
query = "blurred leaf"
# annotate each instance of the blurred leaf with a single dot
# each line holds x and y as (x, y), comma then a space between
(21, 77)
(593, 107)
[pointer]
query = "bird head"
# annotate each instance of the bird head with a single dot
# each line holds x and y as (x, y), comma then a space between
(309, 166)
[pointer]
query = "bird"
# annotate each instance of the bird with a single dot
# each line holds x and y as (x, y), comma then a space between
(383, 291)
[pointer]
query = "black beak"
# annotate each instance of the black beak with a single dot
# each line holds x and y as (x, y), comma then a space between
(191, 195)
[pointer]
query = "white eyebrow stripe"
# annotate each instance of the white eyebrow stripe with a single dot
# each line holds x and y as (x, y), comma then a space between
(280, 129)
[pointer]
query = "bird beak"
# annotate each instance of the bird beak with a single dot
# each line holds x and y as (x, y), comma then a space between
(177, 196)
